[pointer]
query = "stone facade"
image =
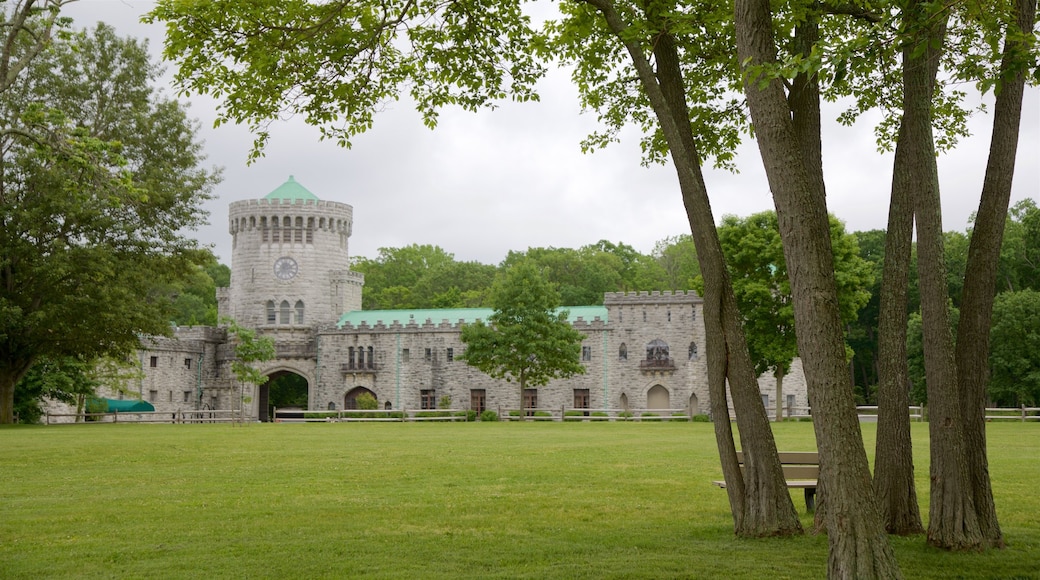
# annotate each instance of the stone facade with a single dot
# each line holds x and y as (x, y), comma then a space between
(290, 280)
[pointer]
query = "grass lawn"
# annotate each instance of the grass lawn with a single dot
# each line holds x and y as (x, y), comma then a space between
(420, 500)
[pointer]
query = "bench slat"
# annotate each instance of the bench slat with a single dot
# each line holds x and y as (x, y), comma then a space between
(801, 471)
(786, 457)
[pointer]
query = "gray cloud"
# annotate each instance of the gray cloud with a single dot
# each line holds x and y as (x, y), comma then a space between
(483, 184)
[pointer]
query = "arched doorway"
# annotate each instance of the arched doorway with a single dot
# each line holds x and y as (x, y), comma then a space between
(624, 402)
(283, 390)
(350, 400)
(695, 405)
(657, 398)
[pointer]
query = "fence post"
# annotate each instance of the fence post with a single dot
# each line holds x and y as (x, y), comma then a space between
(1023, 412)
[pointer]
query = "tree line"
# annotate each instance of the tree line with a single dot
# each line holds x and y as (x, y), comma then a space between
(427, 276)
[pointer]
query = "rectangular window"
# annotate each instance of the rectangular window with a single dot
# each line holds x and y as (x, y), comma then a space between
(428, 355)
(586, 353)
(581, 398)
(263, 235)
(310, 236)
(350, 357)
(790, 405)
(530, 400)
(361, 358)
(451, 354)
(371, 357)
(478, 400)
(299, 236)
(153, 396)
(187, 363)
(153, 362)
(405, 355)
(275, 235)
(427, 399)
(187, 396)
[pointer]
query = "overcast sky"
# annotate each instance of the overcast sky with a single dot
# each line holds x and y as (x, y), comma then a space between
(485, 183)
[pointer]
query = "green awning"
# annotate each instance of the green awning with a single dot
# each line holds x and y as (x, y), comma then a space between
(129, 406)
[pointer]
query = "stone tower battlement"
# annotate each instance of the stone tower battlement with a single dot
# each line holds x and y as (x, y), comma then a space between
(290, 215)
(655, 297)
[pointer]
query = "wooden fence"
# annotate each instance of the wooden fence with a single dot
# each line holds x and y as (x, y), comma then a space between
(866, 413)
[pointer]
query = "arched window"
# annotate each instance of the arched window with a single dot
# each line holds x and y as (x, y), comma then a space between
(299, 312)
(657, 350)
(271, 318)
(622, 352)
(693, 351)
(285, 313)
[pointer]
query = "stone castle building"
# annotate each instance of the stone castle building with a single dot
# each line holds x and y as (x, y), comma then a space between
(291, 280)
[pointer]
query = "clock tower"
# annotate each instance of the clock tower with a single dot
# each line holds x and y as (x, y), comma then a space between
(290, 261)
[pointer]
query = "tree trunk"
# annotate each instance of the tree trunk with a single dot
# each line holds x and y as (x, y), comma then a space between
(858, 545)
(952, 521)
(10, 373)
(893, 458)
(779, 374)
(7, 383)
(759, 499)
(981, 272)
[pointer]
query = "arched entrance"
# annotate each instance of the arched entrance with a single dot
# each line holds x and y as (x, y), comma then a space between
(350, 399)
(283, 390)
(695, 405)
(657, 398)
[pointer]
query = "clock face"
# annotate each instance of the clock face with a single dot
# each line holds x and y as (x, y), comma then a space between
(285, 268)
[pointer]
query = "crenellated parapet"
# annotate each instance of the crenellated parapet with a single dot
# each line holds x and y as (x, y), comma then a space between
(596, 323)
(283, 216)
(200, 333)
(655, 297)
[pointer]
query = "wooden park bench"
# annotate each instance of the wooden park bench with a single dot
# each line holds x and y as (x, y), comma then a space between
(801, 470)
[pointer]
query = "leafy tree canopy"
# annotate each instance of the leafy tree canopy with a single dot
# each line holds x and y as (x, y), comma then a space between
(755, 258)
(101, 183)
(527, 338)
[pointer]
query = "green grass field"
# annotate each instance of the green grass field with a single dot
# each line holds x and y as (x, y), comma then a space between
(419, 500)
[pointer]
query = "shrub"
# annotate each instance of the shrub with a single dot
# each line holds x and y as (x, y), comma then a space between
(702, 418)
(679, 418)
(649, 415)
(471, 415)
(574, 413)
(599, 414)
(542, 414)
(433, 414)
(94, 405)
(366, 402)
(488, 415)
(625, 415)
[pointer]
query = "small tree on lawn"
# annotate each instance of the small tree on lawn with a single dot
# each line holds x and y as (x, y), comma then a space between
(527, 338)
(249, 349)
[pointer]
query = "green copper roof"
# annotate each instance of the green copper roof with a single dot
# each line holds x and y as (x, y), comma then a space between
(452, 315)
(291, 191)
